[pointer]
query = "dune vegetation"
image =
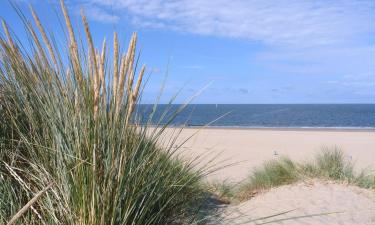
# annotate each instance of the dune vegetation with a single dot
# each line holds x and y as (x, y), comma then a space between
(328, 165)
(71, 151)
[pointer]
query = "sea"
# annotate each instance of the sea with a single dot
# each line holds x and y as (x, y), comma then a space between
(336, 116)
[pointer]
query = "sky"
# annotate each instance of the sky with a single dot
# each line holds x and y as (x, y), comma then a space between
(237, 51)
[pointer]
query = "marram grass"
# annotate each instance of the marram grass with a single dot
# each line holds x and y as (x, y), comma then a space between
(67, 124)
(329, 164)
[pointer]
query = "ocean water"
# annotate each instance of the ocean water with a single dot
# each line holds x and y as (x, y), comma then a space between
(361, 116)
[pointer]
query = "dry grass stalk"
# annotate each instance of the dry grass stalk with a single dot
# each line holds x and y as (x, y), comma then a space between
(73, 47)
(133, 96)
(102, 72)
(115, 64)
(98, 84)
(139, 82)
(9, 37)
(127, 62)
(38, 44)
(91, 48)
(10, 45)
(69, 25)
(28, 205)
(68, 80)
(130, 68)
(93, 63)
(129, 85)
(122, 78)
(44, 36)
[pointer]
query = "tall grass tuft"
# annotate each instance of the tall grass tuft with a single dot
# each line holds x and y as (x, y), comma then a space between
(67, 123)
(275, 172)
(329, 164)
(271, 174)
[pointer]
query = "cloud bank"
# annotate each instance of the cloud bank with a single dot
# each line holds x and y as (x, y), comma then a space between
(278, 22)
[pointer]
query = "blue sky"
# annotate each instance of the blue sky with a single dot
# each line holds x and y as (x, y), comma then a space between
(246, 51)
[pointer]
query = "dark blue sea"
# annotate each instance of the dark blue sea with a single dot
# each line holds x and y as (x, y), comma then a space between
(358, 116)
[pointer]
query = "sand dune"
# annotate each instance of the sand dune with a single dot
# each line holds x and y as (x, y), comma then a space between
(349, 205)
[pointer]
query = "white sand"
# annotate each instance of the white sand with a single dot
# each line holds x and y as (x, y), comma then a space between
(251, 147)
(349, 205)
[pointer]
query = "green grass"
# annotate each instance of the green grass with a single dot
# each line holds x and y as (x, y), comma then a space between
(67, 119)
(327, 165)
(276, 172)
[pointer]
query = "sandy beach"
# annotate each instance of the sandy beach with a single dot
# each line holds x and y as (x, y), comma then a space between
(248, 148)
(307, 200)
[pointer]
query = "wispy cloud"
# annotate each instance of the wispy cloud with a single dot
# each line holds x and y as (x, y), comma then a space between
(322, 40)
(99, 14)
(298, 22)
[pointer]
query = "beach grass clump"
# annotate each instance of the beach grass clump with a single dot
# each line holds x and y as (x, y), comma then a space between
(274, 173)
(329, 165)
(71, 151)
(271, 174)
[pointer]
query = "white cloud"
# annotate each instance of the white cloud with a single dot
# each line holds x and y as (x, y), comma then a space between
(292, 22)
(324, 40)
(99, 14)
